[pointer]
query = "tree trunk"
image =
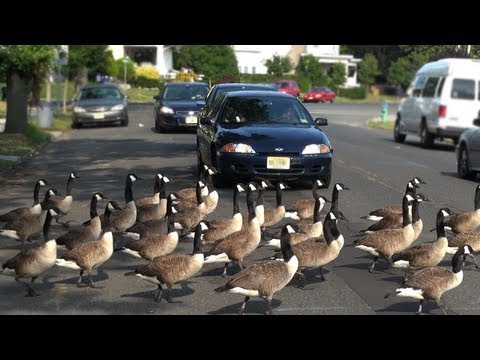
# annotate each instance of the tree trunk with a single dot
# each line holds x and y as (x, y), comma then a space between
(81, 79)
(17, 101)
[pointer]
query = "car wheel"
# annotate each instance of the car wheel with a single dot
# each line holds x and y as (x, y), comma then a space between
(463, 168)
(124, 122)
(397, 136)
(426, 139)
(76, 125)
(331, 101)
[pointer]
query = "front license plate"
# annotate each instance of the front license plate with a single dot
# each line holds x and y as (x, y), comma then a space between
(98, 115)
(279, 163)
(191, 120)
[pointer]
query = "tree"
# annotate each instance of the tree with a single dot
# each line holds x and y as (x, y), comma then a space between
(22, 66)
(278, 65)
(310, 68)
(86, 61)
(213, 61)
(338, 74)
(368, 70)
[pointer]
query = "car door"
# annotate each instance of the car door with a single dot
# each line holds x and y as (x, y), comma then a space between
(206, 131)
(411, 109)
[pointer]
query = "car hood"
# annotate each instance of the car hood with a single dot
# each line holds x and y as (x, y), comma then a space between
(268, 137)
(182, 105)
(99, 102)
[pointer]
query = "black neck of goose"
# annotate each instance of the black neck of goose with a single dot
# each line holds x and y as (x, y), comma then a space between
(411, 191)
(440, 224)
(197, 241)
(316, 211)
(278, 195)
(314, 190)
(209, 181)
(69, 186)
(405, 214)
(156, 186)
(456, 265)
(327, 230)
(36, 191)
(236, 205)
(162, 185)
(477, 198)
(128, 190)
(334, 206)
(415, 213)
(46, 226)
(287, 251)
(93, 207)
(198, 194)
(250, 208)
(260, 197)
(171, 222)
(106, 216)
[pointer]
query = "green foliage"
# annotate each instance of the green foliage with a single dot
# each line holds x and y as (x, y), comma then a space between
(25, 59)
(309, 68)
(279, 65)
(213, 61)
(36, 136)
(304, 83)
(147, 77)
(120, 66)
(357, 93)
(337, 74)
(96, 58)
(368, 69)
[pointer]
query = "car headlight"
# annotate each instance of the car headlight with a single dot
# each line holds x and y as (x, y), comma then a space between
(78, 109)
(118, 107)
(238, 148)
(167, 110)
(316, 149)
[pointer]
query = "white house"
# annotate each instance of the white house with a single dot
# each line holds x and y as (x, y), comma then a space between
(159, 56)
(251, 58)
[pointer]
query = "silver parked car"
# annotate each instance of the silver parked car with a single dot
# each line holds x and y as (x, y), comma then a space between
(468, 152)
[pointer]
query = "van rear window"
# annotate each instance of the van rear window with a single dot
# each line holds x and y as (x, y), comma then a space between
(463, 89)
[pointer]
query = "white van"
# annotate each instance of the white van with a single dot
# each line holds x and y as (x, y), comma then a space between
(442, 101)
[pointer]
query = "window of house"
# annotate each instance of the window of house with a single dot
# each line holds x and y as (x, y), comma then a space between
(430, 87)
(463, 89)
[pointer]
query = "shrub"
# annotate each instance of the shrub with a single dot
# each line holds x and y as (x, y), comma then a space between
(147, 77)
(357, 93)
(120, 66)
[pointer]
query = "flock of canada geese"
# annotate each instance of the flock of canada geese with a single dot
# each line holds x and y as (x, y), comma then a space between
(309, 240)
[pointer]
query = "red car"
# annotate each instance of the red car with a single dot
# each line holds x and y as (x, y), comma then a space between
(322, 94)
(288, 87)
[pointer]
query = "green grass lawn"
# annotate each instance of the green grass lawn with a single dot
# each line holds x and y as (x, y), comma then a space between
(141, 95)
(375, 124)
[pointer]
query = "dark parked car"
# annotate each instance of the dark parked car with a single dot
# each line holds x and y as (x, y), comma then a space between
(468, 152)
(178, 105)
(322, 94)
(220, 89)
(252, 134)
(99, 104)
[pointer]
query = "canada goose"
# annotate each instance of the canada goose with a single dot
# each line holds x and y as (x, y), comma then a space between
(188, 219)
(470, 238)
(31, 263)
(265, 278)
(431, 283)
(313, 229)
(389, 241)
(122, 219)
(173, 268)
(427, 254)
(303, 209)
(259, 206)
(63, 203)
(333, 206)
(224, 227)
(191, 191)
(91, 232)
(24, 227)
(467, 221)
(156, 211)
(151, 246)
(90, 255)
(242, 243)
(211, 200)
(155, 198)
(187, 203)
(36, 208)
(411, 190)
(394, 221)
(273, 216)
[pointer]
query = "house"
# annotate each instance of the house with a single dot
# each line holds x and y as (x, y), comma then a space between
(159, 56)
(251, 58)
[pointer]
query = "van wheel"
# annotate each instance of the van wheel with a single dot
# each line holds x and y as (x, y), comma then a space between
(397, 136)
(426, 139)
(463, 169)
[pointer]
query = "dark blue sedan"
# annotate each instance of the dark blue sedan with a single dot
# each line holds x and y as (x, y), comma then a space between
(252, 134)
(178, 105)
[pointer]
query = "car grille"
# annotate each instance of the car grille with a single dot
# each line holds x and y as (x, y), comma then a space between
(295, 169)
(98, 109)
(278, 154)
(186, 113)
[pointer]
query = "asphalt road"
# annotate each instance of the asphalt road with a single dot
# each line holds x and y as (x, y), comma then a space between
(368, 161)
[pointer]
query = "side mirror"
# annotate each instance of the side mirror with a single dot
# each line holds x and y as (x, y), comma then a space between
(476, 122)
(157, 97)
(321, 121)
(206, 121)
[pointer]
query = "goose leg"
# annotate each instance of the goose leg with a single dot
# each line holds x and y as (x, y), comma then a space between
(475, 261)
(464, 258)
(321, 274)
(240, 263)
(31, 292)
(158, 293)
(79, 281)
(419, 312)
(224, 275)
(92, 284)
(371, 268)
(269, 303)
(242, 308)
(169, 297)
(301, 277)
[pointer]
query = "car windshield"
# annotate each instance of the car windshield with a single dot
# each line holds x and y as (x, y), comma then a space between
(100, 93)
(317, 89)
(185, 92)
(267, 110)
(283, 85)
(239, 88)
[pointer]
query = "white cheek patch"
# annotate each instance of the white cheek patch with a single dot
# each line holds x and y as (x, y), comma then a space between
(332, 216)
(319, 183)
(42, 183)
(98, 197)
(322, 201)
(160, 176)
(204, 226)
(110, 207)
(72, 175)
(290, 229)
(51, 192)
(282, 187)
(466, 251)
(409, 198)
(445, 213)
(201, 184)
(239, 188)
(174, 211)
(264, 185)
(166, 179)
(133, 178)
(53, 212)
(410, 185)
(339, 187)
(252, 187)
